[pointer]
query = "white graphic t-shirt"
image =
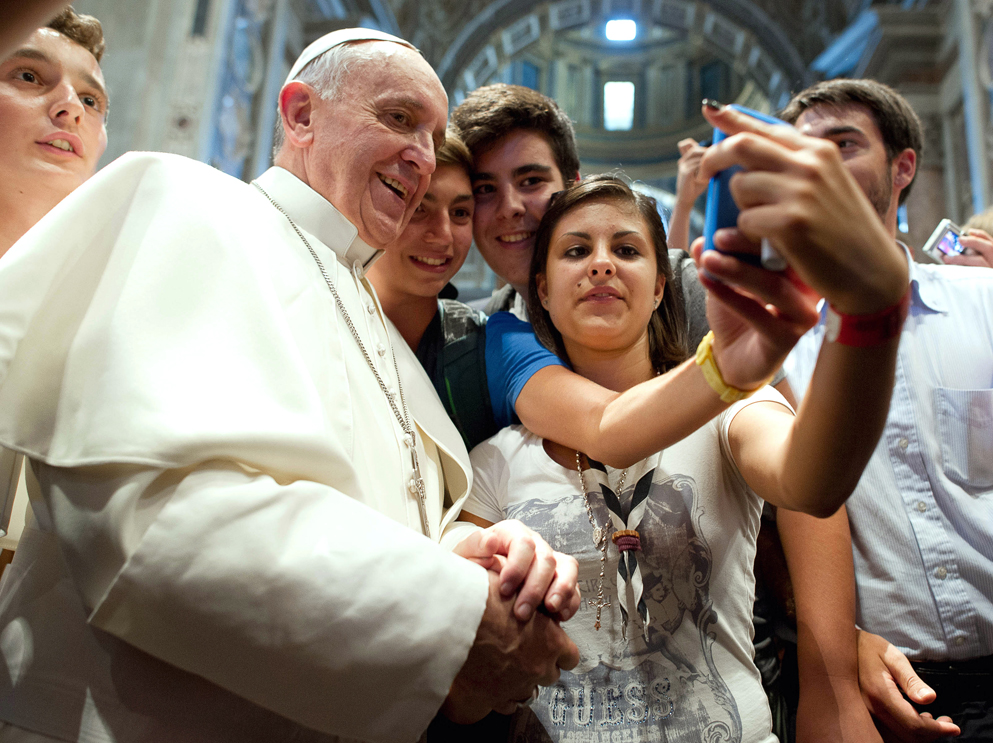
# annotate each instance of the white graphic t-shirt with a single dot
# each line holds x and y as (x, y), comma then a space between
(688, 676)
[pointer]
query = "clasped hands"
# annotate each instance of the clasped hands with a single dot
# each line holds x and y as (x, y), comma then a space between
(519, 643)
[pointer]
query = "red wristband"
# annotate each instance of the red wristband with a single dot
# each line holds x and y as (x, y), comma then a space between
(863, 331)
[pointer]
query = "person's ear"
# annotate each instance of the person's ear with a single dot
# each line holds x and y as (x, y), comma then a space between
(296, 108)
(904, 168)
(659, 290)
(542, 287)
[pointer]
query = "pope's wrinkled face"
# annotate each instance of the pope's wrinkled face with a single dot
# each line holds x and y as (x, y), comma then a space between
(52, 109)
(373, 149)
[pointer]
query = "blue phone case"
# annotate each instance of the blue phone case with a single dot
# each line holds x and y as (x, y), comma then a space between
(721, 209)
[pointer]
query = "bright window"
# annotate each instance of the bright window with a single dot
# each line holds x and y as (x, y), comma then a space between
(618, 106)
(621, 30)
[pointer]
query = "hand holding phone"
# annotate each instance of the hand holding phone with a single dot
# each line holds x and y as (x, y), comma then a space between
(944, 241)
(723, 212)
(800, 195)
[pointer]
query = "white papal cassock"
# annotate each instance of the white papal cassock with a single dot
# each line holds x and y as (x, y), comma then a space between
(224, 544)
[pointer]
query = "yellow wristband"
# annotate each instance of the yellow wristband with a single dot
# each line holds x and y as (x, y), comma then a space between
(708, 365)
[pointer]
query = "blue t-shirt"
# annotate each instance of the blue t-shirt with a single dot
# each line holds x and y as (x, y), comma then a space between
(513, 355)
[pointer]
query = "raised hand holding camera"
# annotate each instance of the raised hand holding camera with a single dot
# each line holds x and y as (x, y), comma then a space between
(722, 211)
(795, 191)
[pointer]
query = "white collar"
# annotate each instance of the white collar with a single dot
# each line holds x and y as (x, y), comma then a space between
(920, 293)
(925, 293)
(315, 214)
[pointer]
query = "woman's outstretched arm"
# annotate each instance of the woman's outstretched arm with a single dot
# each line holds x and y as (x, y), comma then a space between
(621, 428)
(798, 194)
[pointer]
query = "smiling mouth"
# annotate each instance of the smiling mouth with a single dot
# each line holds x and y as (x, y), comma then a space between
(430, 261)
(395, 186)
(515, 238)
(61, 144)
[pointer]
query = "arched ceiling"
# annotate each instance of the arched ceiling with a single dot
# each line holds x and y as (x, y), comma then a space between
(517, 21)
(750, 51)
(448, 31)
(451, 32)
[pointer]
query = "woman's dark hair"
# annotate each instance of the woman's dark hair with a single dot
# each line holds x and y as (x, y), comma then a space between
(667, 327)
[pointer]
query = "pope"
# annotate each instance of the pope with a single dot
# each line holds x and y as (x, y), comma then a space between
(242, 483)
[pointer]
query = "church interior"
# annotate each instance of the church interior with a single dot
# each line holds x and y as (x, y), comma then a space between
(231, 521)
(200, 77)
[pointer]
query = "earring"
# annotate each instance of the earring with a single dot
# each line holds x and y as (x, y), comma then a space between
(544, 303)
(656, 304)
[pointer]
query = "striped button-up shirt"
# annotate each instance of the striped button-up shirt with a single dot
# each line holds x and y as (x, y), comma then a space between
(922, 514)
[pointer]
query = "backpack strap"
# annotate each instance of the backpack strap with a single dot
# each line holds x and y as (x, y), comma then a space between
(464, 388)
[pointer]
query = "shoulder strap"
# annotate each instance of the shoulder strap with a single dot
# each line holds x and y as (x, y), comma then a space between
(466, 393)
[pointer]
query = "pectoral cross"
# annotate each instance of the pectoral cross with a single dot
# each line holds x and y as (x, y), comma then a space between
(417, 484)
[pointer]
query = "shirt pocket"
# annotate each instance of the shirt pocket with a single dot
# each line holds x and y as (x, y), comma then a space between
(965, 429)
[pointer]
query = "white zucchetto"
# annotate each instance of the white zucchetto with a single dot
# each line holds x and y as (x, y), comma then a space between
(336, 38)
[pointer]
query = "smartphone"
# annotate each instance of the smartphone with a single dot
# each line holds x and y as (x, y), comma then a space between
(723, 212)
(944, 241)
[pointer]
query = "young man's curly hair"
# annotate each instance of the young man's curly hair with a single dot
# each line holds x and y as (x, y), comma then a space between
(85, 30)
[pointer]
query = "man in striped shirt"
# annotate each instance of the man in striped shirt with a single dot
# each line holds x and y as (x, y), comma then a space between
(922, 514)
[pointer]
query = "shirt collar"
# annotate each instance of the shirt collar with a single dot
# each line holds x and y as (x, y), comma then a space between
(922, 292)
(315, 214)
